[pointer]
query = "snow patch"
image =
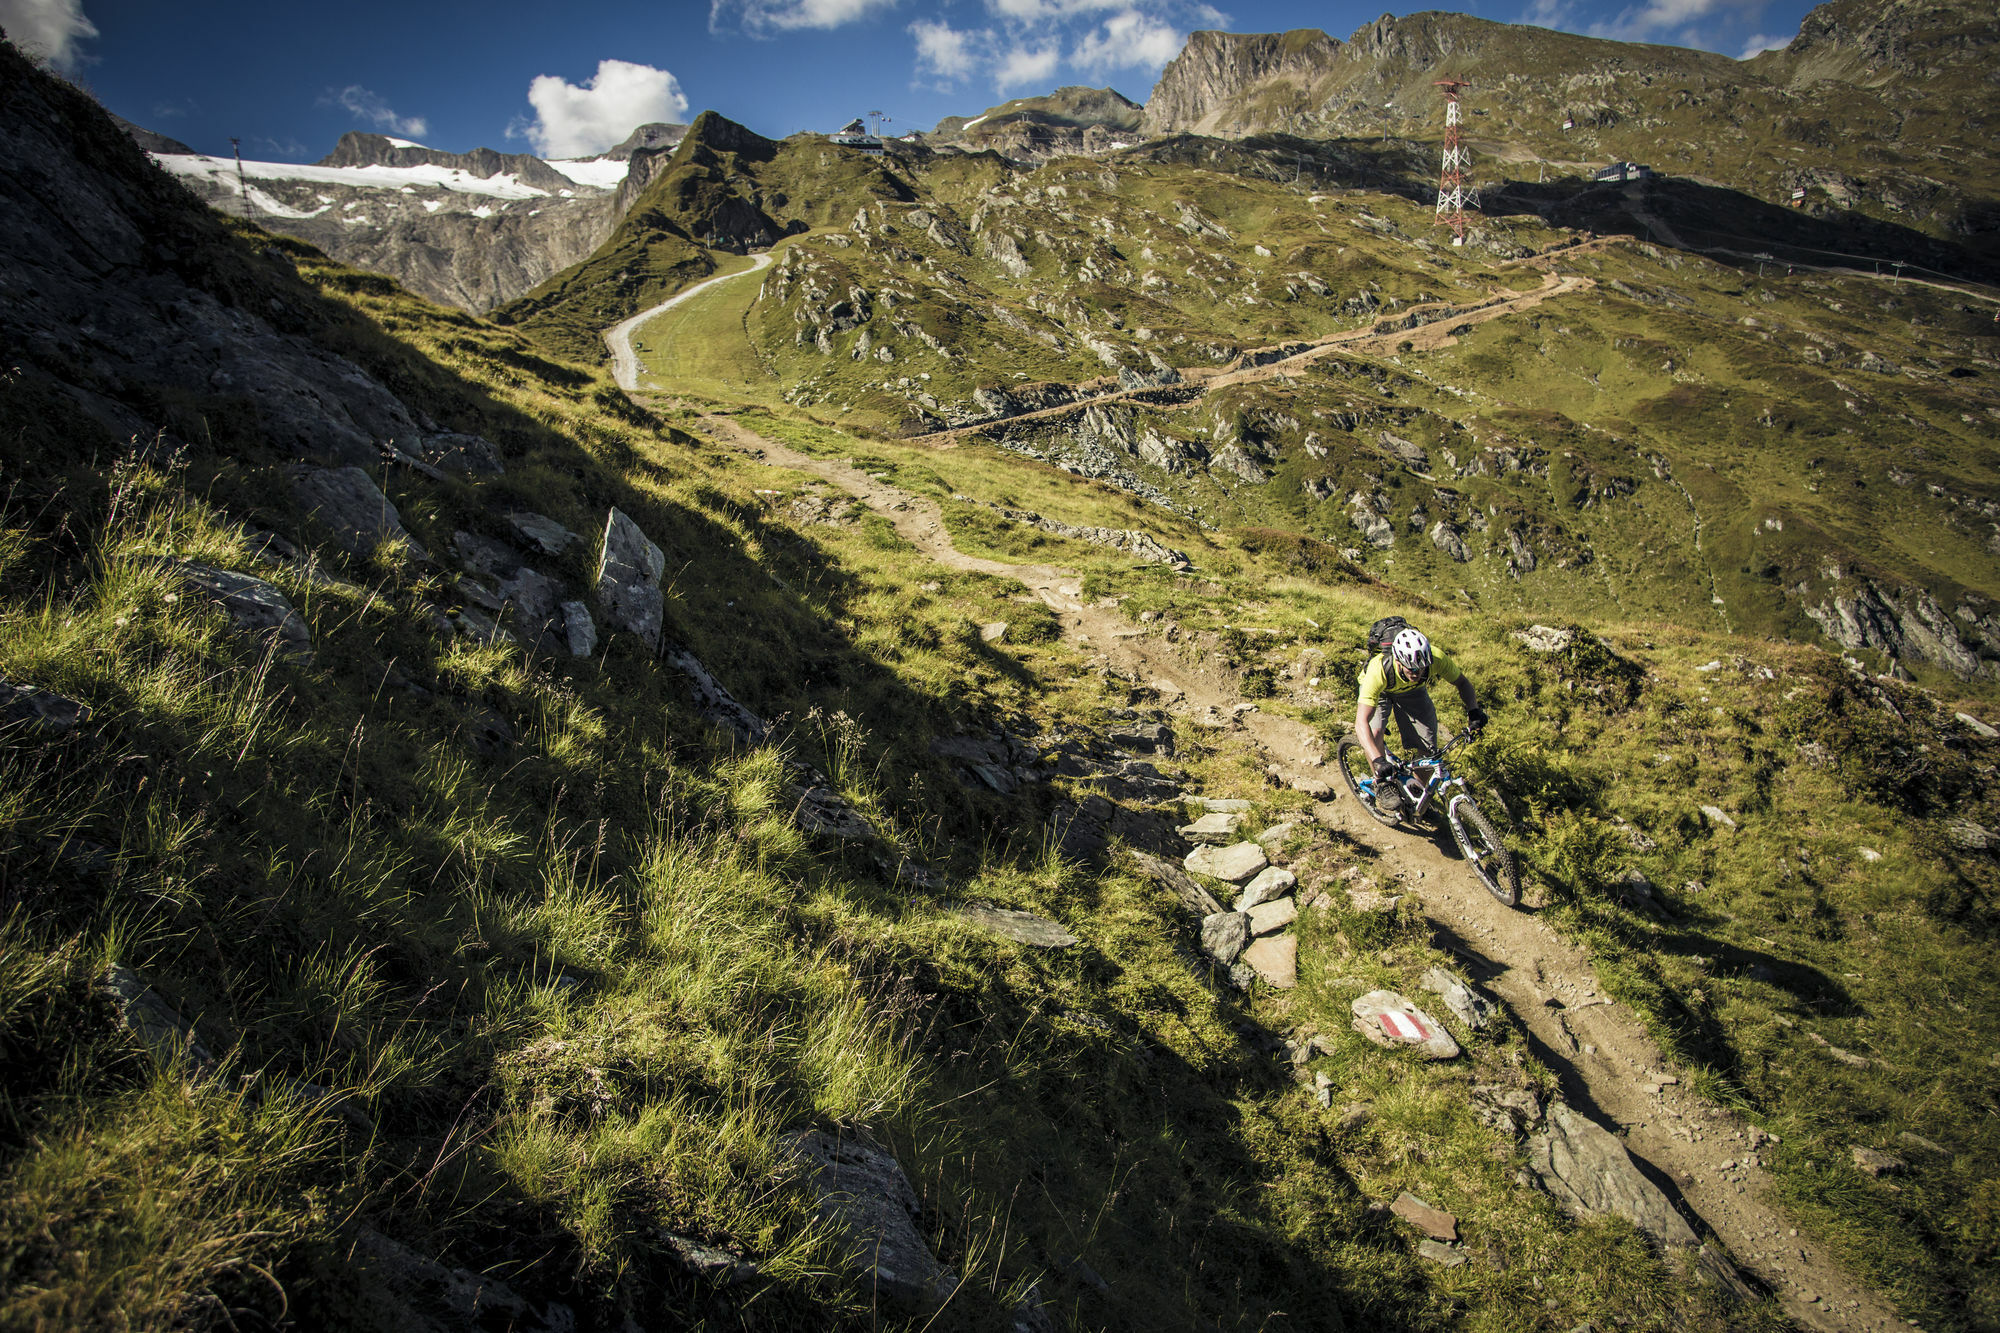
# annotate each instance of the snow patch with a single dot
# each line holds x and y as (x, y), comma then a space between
(483, 211)
(222, 171)
(597, 172)
(279, 210)
(432, 205)
(404, 143)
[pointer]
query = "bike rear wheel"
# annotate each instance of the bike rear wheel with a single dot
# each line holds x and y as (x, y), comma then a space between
(1486, 853)
(1359, 776)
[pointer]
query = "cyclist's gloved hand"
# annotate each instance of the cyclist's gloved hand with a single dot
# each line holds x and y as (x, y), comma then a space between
(1385, 766)
(1477, 717)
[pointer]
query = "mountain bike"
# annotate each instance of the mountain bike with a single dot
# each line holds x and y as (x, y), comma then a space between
(1431, 783)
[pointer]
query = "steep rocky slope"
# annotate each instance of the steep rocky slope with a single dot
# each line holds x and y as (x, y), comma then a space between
(474, 230)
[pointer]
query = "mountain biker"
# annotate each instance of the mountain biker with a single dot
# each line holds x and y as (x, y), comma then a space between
(1397, 677)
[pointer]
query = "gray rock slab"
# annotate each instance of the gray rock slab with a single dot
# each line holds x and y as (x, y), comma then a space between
(253, 606)
(351, 507)
(1272, 917)
(1025, 927)
(717, 704)
(37, 711)
(1978, 728)
(820, 810)
(1276, 959)
(1215, 806)
(993, 632)
(1274, 837)
(1472, 1008)
(628, 580)
(1439, 1253)
(164, 1033)
(1874, 1162)
(1212, 829)
(1389, 1019)
(1716, 815)
(1969, 834)
(484, 556)
(1269, 883)
(1237, 864)
(1587, 1170)
(1225, 935)
(1168, 875)
(579, 630)
(542, 532)
(402, 1289)
(534, 608)
(868, 1202)
(461, 453)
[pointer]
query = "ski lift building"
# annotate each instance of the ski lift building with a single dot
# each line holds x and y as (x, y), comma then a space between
(855, 135)
(1622, 171)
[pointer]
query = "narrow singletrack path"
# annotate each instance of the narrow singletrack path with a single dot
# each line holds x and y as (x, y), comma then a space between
(1608, 1066)
(624, 361)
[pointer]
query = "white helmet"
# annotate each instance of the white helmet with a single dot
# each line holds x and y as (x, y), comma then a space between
(1412, 652)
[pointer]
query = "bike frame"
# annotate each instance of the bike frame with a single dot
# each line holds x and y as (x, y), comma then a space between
(1438, 780)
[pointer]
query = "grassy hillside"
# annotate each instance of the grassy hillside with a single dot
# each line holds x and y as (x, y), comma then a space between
(726, 188)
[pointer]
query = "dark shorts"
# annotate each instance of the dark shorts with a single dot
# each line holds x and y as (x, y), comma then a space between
(1416, 721)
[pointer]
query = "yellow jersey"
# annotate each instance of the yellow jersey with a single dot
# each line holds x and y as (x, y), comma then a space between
(1378, 679)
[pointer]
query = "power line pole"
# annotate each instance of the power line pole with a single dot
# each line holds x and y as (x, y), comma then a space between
(1453, 193)
(242, 186)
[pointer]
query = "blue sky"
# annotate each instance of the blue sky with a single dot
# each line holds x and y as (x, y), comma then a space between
(570, 79)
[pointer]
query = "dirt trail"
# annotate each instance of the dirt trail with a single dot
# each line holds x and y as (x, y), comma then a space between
(1423, 338)
(1609, 1068)
(624, 361)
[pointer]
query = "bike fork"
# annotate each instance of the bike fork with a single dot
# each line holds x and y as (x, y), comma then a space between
(1458, 826)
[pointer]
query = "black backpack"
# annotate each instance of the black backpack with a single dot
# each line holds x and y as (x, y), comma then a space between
(1383, 632)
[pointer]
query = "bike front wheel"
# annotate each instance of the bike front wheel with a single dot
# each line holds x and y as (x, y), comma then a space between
(1485, 853)
(1359, 776)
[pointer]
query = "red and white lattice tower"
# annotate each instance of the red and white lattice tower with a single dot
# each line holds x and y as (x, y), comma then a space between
(1454, 195)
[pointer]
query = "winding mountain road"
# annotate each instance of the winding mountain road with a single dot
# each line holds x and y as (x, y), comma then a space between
(624, 361)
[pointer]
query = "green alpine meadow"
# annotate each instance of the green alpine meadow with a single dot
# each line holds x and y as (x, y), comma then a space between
(798, 772)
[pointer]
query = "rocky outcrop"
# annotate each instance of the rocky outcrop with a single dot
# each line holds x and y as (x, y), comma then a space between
(1032, 129)
(1204, 88)
(37, 712)
(1589, 1172)
(253, 606)
(628, 581)
(351, 508)
(866, 1200)
(1907, 625)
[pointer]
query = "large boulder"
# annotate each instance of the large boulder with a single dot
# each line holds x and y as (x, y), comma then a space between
(869, 1205)
(351, 507)
(628, 580)
(254, 606)
(1388, 1019)
(1225, 935)
(1235, 864)
(1589, 1172)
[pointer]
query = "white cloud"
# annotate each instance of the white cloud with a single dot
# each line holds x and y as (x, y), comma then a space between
(49, 28)
(1020, 65)
(1658, 18)
(1127, 40)
(764, 17)
(575, 121)
(944, 51)
(1759, 44)
(1024, 41)
(373, 108)
(1549, 14)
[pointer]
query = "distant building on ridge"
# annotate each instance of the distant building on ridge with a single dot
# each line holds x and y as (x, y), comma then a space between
(1622, 171)
(855, 135)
